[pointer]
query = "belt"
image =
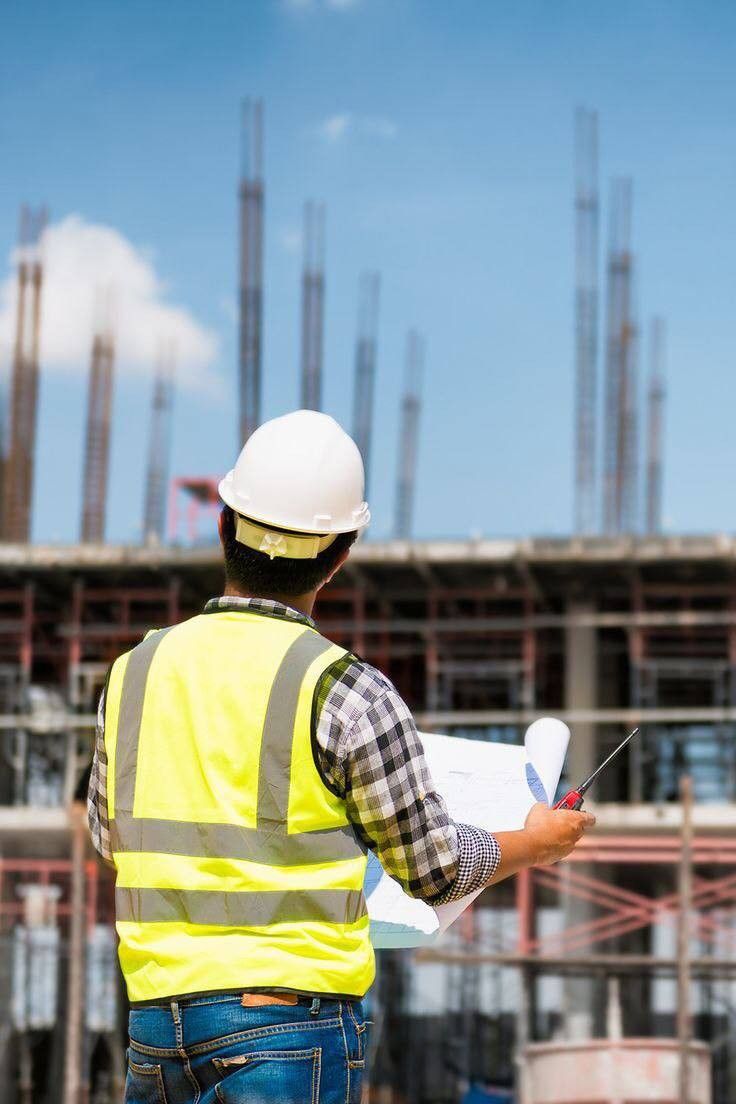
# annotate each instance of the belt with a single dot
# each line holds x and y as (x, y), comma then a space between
(275, 996)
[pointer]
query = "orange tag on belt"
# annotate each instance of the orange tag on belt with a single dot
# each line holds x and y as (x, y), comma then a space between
(259, 1000)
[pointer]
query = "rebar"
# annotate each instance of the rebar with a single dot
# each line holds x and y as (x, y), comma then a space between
(251, 268)
(313, 295)
(586, 317)
(365, 367)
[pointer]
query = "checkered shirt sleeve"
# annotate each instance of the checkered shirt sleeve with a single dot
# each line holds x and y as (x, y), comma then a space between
(97, 818)
(371, 755)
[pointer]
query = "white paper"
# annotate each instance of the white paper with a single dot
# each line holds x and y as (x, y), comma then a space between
(491, 786)
(546, 747)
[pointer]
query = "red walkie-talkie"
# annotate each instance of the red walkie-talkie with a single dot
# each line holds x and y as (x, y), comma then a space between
(573, 799)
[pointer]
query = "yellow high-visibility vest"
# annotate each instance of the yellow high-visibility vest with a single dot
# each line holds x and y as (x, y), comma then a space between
(236, 864)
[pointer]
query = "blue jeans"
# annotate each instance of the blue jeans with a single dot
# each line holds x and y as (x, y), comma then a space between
(211, 1050)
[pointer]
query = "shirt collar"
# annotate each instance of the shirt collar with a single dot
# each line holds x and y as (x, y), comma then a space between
(258, 605)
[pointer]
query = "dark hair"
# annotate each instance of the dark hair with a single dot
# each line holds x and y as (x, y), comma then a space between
(256, 573)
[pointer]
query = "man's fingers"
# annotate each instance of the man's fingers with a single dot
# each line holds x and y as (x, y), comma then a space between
(584, 820)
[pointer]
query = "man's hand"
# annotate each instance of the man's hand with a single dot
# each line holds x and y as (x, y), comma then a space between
(555, 831)
(548, 835)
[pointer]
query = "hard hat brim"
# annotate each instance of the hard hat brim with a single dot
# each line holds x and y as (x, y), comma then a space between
(241, 504)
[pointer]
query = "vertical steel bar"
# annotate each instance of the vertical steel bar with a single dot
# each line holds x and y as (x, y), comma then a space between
(655, 418)
(97, 440)
(409, 436)
(18, 469)
(74, 1010)
(529, 652)
(620, 397)
(586, 316)
(173, 600)
(159, 448)
(524, 909)
(365, 368)
(313, 290)
(251, 269)
(684, 1024)
(523, 1032)
(26, 653)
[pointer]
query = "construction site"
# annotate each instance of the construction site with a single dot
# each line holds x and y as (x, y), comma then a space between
(606, 979)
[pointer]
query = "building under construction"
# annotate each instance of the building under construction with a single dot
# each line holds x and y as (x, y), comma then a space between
(619, 962)
(481, 638)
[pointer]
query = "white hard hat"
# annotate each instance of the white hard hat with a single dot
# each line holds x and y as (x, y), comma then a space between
(300, 472)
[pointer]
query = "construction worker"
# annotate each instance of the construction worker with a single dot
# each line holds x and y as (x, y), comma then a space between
(244, 765)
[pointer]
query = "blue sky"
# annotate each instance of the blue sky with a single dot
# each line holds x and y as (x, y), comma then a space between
(453, 177)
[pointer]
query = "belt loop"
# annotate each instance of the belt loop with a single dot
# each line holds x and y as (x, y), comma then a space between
(176, 1016)
(316, 1004)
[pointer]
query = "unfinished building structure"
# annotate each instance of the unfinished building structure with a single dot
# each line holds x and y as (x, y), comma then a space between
(481, 637)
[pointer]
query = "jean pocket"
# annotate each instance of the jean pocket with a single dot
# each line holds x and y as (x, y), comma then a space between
(356, 1046)
(270, 1077)
(144, 1084)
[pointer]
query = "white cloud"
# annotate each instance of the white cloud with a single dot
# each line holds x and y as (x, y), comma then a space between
(83, 260)
(336, 127)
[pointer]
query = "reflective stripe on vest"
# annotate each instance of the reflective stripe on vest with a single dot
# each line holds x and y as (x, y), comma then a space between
(209, 907)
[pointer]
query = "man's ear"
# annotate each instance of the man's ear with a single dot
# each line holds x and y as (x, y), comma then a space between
(343, 556)
(221, 526)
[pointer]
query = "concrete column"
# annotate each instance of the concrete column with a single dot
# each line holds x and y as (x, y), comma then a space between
(581, 687)
(581, 679)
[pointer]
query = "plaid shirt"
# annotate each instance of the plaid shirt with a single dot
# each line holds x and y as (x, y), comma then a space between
(368, 751)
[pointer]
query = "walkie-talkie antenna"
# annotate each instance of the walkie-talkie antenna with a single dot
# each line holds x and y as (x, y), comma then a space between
(589, 781)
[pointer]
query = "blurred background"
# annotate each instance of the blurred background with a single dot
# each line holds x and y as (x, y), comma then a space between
(495, 241)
